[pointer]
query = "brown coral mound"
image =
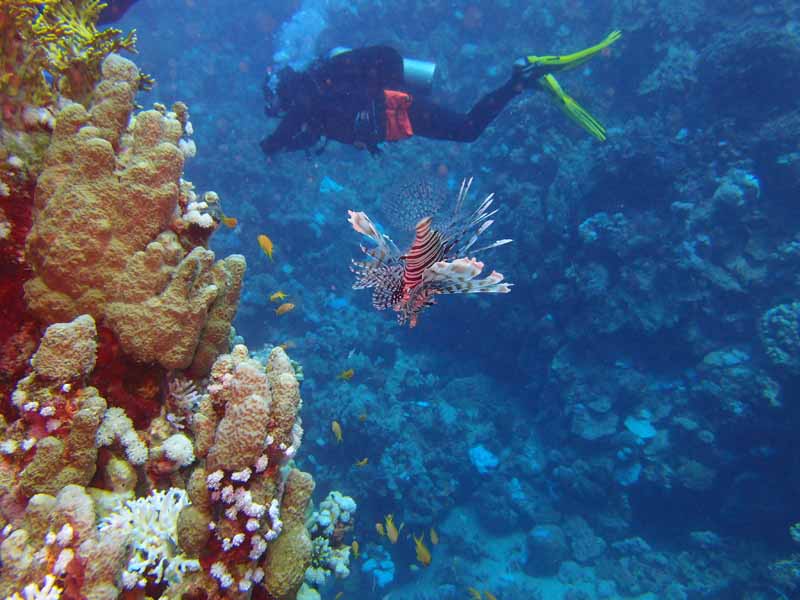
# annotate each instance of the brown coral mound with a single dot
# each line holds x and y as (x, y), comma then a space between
(102, 242)
(67, 351)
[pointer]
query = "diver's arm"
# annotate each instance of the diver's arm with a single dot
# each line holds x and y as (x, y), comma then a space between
(273, 143)
(292, 133)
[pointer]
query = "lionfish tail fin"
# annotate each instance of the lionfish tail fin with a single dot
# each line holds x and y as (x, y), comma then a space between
(458, 277)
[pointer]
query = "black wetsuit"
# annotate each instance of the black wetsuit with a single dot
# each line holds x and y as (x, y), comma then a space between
(346, 103)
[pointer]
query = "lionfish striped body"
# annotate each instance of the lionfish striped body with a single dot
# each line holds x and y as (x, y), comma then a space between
(435, 263)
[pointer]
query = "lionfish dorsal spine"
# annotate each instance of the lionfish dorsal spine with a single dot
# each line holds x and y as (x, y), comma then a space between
(462, 195)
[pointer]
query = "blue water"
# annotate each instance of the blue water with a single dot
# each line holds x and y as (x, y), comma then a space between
(623, 424)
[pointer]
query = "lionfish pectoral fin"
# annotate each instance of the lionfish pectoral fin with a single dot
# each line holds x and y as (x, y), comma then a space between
(363, 225)
(458, 277)
(493, 284)
(384, 248)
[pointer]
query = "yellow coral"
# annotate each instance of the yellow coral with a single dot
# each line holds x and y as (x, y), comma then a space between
(286, 401)
(286, 561)
(58, 38)
(58, 462)
(58, 529)
(296, 497)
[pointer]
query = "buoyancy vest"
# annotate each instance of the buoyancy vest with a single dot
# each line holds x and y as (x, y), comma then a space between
(398, 124)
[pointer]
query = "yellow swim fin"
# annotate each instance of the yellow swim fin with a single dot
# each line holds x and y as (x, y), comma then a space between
(563, 62)
(572, 109)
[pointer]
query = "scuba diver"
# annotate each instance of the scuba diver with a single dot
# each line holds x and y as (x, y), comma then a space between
(370, 95)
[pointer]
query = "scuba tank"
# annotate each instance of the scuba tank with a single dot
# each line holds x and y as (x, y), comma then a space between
(417, 74)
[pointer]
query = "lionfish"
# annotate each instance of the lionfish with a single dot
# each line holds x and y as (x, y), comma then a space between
(436, 263)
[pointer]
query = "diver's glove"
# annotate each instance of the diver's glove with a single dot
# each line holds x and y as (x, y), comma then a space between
(530, 68)
(572, 109)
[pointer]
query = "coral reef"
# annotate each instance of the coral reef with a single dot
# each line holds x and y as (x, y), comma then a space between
(643, 376)
(651, 358)
(780, 335)
(104, 238)
(225, 511)
(140, 455)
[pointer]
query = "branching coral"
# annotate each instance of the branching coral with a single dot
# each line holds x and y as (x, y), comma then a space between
(328, 526)
(58, 38)
(151, 525)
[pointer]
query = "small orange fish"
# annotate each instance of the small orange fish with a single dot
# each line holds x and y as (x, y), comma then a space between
(434, 537)
(473, 593)
(284, 308)
(346, 375)
(337, 431)
(363, 462)
(229, 222)
(391, 530)
(423, 554)
(379, 528)
(266, 245)
(354, 548)
(277, 296)
(339, 595)
(489, 595)
(362, 417)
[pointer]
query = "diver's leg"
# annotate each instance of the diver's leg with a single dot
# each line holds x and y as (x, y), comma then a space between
(431, 120)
